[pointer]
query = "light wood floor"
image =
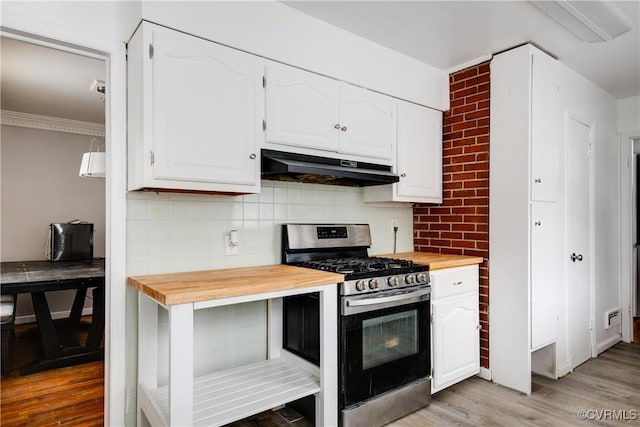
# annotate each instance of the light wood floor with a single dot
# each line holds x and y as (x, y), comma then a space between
(74, 397)
(610, 382)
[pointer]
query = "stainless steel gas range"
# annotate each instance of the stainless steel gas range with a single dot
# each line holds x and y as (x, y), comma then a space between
(384, 323)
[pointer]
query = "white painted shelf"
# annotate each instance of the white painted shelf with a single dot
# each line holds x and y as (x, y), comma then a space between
(226, 396)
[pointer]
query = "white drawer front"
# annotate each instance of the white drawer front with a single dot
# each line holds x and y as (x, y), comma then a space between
(454, 281)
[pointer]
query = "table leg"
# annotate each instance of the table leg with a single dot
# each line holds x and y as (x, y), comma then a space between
(56, 355)
(96, 330)
(76, 308)
(48, 333)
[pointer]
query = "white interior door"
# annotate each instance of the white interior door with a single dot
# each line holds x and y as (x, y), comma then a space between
(579, 143)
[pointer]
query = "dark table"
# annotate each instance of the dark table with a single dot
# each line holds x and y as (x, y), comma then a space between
(39, 277)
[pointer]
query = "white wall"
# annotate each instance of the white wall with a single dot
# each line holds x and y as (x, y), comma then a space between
(178, 232)
(114, 20)
(629, 115)
(40, 185)
(278, 32)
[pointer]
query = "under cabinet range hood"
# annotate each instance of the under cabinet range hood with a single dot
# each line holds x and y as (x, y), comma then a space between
(281, 166)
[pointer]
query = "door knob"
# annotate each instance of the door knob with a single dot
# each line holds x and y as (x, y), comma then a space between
(575, 257)
(337, 126)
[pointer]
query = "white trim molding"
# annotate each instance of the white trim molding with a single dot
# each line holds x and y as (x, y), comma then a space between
(35, 121)
(484, 373)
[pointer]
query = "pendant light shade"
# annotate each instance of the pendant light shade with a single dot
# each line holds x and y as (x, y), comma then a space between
(94, 163)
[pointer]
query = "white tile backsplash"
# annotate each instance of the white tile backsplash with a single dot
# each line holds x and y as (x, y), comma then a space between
(169, 233)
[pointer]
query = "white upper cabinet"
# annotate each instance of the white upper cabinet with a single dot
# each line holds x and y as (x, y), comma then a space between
(419, 158)
(313, 112)
(302, 109)
(193, 119)
(367, 123)
(546, 120)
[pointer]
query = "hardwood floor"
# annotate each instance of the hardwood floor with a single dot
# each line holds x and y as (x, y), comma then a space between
(608, 388)
(70, 396)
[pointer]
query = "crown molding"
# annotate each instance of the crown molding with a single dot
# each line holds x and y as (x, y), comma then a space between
(34, 121)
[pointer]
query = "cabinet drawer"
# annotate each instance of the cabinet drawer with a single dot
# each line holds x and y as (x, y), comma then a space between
(454, 281)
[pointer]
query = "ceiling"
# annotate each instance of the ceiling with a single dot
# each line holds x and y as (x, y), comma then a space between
(450, 34)
(446, 34)
(49, 82)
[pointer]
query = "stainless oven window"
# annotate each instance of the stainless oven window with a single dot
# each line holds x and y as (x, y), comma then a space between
(388, 338)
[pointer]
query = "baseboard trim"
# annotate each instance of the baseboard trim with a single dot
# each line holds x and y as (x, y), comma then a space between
(608, 343)
(484, 373)
(31, 318)
(564, 369)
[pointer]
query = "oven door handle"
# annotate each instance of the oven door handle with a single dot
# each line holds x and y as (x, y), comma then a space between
(367, 304)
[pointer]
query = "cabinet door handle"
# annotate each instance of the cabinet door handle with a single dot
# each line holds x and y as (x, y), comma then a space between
(404, 175)
(537, 180)
(343, 129)
(457, 283)
(537, 223)
(479, 327)
(337, 126)
(252, 156)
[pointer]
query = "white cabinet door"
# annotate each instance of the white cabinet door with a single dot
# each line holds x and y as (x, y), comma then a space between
(419, 153)
(302, 109)
(204, 99)
(456, 339)
(418, 158)
(545, 129)
(546, 277)
(192, 114)
(367, 123)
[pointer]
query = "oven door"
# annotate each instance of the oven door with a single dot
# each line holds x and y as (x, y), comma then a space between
(385, 343)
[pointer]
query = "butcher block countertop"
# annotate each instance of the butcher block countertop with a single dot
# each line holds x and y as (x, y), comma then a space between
(437, 261)
(180, 288)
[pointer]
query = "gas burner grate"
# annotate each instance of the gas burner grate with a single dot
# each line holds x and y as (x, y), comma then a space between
(359, 265)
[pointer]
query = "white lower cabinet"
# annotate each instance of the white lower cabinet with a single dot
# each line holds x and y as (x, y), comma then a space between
(455, 326)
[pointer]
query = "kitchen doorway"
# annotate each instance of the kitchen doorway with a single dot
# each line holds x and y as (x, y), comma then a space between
(43, 31)
(53, 111)
(579, 240)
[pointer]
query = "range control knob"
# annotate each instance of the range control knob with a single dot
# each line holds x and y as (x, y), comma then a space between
(361, 285)
(373, 284)
(410, 278)
(421, 277)
(392, 281)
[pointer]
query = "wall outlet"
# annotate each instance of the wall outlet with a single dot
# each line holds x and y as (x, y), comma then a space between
(231, 246)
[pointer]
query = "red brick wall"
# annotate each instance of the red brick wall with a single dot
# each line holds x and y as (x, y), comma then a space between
(460, 225)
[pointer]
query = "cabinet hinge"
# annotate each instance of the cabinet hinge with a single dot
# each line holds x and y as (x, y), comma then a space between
(590, 150)
(431, 372)
(153, 158)
(264, 81)
(150, 51)
(591, 324)
(264, 124)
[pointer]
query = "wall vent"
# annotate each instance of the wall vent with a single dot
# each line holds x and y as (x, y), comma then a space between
(612, 318)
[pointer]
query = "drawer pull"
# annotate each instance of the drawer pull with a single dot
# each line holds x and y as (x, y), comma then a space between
(457, 283)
